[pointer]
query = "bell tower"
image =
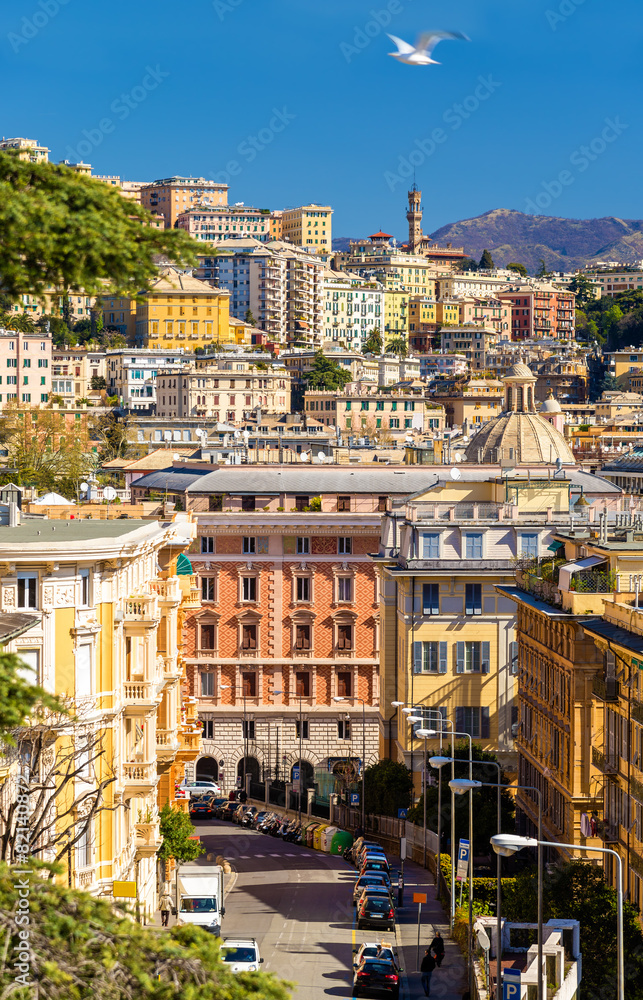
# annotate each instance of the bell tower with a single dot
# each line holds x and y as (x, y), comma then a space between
(414, 218)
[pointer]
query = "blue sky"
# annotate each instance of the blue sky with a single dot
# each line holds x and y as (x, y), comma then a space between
(296, 100)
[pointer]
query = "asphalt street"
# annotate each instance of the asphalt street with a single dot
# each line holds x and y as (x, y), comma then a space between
(297, 903)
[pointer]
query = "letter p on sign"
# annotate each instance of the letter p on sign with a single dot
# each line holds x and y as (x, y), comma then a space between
(511, 984)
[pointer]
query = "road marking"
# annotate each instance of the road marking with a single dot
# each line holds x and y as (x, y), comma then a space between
(243, 857)
(290, 855)
(274, 855)
(260, 855)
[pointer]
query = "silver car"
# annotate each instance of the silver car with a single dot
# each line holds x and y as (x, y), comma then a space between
(367, 880)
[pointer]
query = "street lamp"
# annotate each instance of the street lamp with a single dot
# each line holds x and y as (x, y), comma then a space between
(342, 698)
(421, 733)
(508, 843)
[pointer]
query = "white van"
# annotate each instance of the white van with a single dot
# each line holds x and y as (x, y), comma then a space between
(242, 954)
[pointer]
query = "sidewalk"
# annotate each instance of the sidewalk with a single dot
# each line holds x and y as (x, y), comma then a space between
(449, 981)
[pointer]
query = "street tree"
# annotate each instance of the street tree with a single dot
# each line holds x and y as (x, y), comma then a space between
(486, 261)
(388, 786)
(583, 289)
(46, 208)
(18, 697)
(518, 268)
(326, 374)
(61, 756)
(112, 431)
(176, 830)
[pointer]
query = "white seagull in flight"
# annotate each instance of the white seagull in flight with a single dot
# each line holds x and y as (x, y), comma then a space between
(420, 53)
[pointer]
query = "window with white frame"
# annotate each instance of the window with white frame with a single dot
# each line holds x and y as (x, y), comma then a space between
(430, 657)
(344, 589)
(249, 588)
(472, 657)
(84, 847)
(84, 588)
(473, 720)
(344, 546)
(208, 588)
(27, 590)
(343, 729)
(431, 545)
(207, 684)
(249, 545)
(528, 545)
(83, 670)
(303, 589)
(207, 544)
(303, 546)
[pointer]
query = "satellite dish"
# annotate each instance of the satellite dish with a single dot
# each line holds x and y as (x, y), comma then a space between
(458, 456)
(199, 431)
(175, 457)
(304, 457)
(84, 487)
(455, 474)
(109, 493)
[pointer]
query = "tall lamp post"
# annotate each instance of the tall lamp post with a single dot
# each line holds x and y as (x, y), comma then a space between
(421, 733)
(507, 844)
(343, 698)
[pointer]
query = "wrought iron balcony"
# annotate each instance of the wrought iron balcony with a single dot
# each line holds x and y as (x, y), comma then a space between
(605, 688)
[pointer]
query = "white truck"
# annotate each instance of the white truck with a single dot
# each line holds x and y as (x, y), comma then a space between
(198, 896)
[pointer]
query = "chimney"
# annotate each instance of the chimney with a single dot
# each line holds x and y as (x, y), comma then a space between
(14, 515)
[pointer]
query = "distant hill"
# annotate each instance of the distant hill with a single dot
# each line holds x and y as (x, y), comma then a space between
(564, 244)
(343, 243)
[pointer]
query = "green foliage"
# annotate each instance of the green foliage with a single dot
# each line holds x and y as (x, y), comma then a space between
(583, 289)
(399, 346)
(112, 432)
(388, 786)
(326, 374)
(617, 321)
(98, 382)
(467, 264)
(176, 830)
(40, 453)
(518, 268)
(374, 343)
(486, 261)
(484, 889)
(578, 891)
(83, 947)
(542, 271)
(46, 209)
(315, 504)
(484, 800)
(249, 318)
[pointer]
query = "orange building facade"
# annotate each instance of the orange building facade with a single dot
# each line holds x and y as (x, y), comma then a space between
(289, 622)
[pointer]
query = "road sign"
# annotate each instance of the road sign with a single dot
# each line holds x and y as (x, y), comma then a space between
(463, 860)
(295, 778)
(354, 798)
(401, 813)
(511, 984)
(419, 897)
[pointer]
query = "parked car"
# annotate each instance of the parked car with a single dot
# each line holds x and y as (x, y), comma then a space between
(189, 788)
(375, 866)
(242, 955)
(368, 880)
(228, 810)
(383, 891)
(375, 911)
(202, 805)
(382, 950)
(375, 976)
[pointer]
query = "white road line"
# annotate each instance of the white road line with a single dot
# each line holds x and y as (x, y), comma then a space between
(290, 855)
(260, 855)
(275, 855)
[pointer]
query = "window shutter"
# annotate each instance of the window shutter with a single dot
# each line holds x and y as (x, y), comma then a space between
(417, 657)
(459, 720)
(435, 598)
(485, 665)
(442, 662)
(513, 657)
(468, 602)
(426, 598)
(484, 722)
(477, 599)
(459, 658)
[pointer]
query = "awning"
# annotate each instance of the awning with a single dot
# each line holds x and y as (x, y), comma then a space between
(566, 571)
(555, 546)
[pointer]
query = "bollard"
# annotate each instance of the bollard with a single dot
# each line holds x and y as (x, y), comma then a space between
(400, 889)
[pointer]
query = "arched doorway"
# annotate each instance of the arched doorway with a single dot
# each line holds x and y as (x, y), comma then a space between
(207, 769)
(252, 768)
(307, 772)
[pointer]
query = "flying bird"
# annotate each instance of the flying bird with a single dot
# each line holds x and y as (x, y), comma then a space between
(420, 53)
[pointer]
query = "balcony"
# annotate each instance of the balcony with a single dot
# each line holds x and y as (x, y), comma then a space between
(606, 763)
(140, 697)
(605, 688)
(148, 839)
(167, 590)
(142, 610)
(140, 778)
(167, 744)
(190, 746)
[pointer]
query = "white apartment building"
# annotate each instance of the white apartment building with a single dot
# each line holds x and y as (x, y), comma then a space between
(222, 389)
(131, 374)
(211, 224)
(352, 309)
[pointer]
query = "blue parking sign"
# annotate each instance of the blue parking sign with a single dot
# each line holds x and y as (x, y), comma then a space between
(354, 798)
(511, 984)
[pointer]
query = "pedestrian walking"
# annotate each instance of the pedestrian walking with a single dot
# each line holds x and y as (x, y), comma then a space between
(426, 968)
(437, 947)
(165, 905)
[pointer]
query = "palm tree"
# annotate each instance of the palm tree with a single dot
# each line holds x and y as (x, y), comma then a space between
(399, 346)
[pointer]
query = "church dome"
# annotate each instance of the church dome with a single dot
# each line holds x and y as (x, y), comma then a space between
(520, 434)
(551, 405)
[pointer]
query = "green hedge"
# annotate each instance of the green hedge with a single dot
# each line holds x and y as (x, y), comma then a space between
(484, 889)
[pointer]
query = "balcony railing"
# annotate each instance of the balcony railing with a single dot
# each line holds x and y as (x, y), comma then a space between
(607, 763)
(167, 739)
(141, 694)
(143, 608)
(140, 773)
(593, 582)
(605, 688)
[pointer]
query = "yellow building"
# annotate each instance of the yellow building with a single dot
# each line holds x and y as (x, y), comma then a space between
(580, 663)
(28, 149)
(473, 402)
(178, 311)
(106, 606)
(448, 642)
(396, 314)
(309, 226)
